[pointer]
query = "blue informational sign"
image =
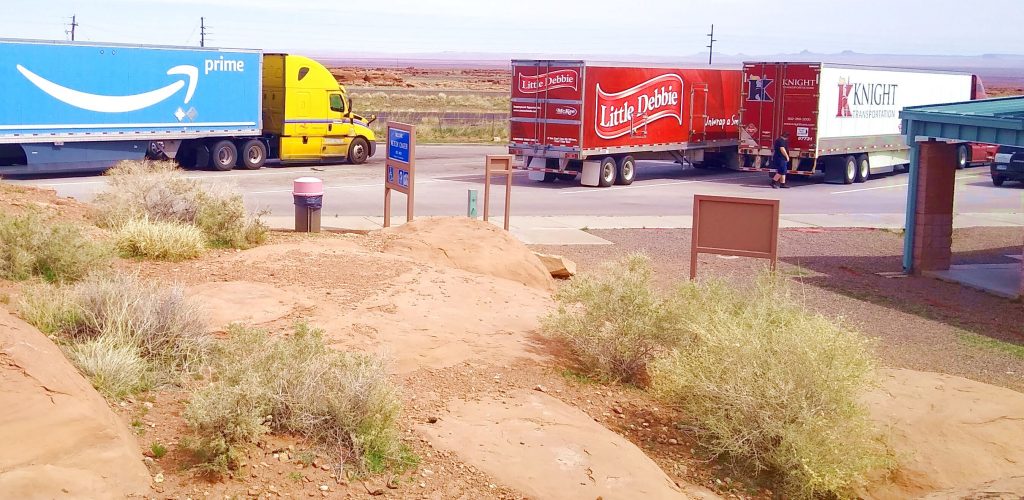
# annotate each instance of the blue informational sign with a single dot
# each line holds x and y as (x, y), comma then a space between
(70, 89)
(398, 145)
(398, 176)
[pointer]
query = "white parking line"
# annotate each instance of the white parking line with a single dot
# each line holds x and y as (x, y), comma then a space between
(616, 188)
(869, 189)
(966, 176)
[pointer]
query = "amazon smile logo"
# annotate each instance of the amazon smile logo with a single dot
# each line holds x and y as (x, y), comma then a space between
(117, 103)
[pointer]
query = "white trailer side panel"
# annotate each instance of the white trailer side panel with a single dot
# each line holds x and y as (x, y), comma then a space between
(858, 102)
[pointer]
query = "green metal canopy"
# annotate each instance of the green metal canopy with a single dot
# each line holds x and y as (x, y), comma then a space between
(992, 121)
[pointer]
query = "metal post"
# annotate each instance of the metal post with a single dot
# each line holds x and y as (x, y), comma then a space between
(911, 216)
(202, 32)
(471, 204)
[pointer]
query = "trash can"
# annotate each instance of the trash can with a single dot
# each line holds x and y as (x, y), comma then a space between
(308, 194)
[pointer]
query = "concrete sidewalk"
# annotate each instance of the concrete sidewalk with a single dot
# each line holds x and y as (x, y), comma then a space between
(571, 229)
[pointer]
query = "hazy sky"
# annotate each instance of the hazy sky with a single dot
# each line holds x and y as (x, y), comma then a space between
(646, 27)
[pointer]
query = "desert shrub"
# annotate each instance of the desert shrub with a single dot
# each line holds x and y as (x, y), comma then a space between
(773, 385)
(613, 322)
(58, 252)
(171, 241)
(156, 190)
(223, 219)
(296, 384)
(121, 331)
(160, 192)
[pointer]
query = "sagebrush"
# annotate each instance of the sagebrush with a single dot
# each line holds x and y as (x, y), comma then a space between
(160, 192)
(172, 241)
(58, 252)
(121, 331)
(773, 385)
(613, 322)
(296, 384)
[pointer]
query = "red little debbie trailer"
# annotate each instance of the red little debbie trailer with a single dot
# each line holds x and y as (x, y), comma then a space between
(571, 117)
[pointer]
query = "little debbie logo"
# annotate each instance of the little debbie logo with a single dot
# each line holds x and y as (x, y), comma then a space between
(565, 78)
(621, 113)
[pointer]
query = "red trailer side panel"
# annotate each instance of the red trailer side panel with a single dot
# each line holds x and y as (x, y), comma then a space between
(626, 107)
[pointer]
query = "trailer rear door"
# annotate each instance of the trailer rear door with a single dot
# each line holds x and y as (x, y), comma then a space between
(547, 106)
(779, 97)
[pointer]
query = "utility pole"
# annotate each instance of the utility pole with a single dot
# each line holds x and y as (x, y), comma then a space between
(74, 24)
(711, 46)
(202, 32)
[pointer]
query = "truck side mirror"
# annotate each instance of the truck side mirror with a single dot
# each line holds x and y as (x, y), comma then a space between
(349, 104)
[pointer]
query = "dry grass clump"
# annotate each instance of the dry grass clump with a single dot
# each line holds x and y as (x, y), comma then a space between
(122, 332)
(612, 322)
(31, 246)
(171, 241)
(295, 384)
(773, 385)
(160, 192)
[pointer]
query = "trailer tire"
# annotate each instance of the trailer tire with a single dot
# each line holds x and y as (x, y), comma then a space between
(625, 171)
(863, 168)
(849, 169)
(358, 151)
(252, 155)
(223, 155)
(608, 172)
(963, 157)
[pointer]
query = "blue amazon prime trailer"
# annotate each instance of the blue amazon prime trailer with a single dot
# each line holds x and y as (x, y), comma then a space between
(69, 106)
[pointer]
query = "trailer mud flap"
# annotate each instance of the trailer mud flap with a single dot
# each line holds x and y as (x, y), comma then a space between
(834, 173)
(591, 173)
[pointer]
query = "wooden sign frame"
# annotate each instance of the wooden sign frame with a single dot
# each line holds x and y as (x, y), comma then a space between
(400, 166)
(498, 165)
(744, 227)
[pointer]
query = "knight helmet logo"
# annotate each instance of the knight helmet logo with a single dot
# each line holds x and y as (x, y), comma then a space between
(758, 90)
(845, 89)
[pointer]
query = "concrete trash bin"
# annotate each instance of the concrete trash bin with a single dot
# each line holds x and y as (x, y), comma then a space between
(308, 195)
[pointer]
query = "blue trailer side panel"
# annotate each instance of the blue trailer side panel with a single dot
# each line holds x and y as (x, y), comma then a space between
(58, 91)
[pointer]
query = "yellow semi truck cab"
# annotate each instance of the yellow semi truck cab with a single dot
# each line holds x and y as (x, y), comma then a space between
(307, 115)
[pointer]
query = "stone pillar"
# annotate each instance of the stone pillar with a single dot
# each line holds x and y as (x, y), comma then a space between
(933, 231)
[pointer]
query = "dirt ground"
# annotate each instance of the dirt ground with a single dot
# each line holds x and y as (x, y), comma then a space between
(944, 327)
(492, 411)
(425, 78)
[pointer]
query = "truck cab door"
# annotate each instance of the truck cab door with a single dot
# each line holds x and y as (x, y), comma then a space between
(339, 130)
(698, 111)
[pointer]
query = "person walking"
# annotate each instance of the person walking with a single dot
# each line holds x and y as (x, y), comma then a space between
(780, 160)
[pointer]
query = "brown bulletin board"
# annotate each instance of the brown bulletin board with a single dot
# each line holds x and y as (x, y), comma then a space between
(724, 225)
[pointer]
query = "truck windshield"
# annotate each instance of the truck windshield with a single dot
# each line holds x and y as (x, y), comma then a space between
(337, 103)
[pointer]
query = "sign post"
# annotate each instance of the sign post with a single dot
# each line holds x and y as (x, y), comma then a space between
(724, 225)
(498, 165)
(400, 167)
